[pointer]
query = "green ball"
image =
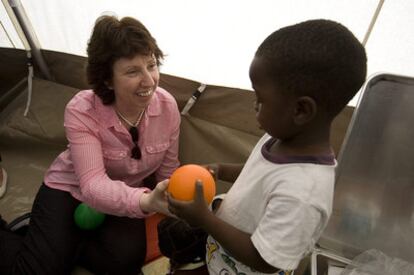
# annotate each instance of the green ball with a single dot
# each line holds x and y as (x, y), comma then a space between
(87, 218)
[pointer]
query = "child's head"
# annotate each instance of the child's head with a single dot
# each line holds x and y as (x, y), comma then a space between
(308, 70)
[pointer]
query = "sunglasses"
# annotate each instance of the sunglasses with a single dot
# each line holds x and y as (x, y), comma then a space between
(136, 151)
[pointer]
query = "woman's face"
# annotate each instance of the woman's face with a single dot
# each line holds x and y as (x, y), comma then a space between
(135, 80)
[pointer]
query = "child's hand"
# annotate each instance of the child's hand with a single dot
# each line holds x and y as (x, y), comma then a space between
(213, 168)
(193, 212)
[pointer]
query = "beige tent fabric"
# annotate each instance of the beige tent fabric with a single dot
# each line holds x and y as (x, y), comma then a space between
(206, 142)
(44, 121)
(12, 68)
(29, 144)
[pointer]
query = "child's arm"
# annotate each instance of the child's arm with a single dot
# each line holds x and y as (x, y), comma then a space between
(237, 242)
(226, 171)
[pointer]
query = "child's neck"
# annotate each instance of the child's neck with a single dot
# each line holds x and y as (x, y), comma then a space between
(315, 143)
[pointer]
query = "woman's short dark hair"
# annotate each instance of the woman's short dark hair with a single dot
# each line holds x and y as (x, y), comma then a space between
(111, 40)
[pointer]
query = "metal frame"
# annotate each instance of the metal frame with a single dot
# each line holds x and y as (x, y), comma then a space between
(326, 253)
(372, 80)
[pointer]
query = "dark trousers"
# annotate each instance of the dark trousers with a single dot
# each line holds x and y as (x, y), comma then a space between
(54, 244)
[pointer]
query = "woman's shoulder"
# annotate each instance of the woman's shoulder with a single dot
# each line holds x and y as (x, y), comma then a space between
(83, 100)
(85, 107)
(164, 95)
(163, 103)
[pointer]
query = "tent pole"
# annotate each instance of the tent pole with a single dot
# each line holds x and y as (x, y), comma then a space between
(16, 24)
(30, 36)
(7, 34)
(373, 21)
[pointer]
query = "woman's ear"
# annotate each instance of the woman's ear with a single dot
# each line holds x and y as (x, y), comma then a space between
(305, 110)
(108, 85)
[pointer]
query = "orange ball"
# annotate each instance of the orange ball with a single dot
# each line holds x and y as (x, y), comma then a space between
(182, 183)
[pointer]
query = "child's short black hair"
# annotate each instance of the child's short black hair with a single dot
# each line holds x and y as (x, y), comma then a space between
(318, 58)
(180, 242)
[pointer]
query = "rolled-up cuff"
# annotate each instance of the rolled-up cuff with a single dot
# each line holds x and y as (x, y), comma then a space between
(135, 205)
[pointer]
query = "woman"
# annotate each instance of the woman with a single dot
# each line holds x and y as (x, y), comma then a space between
(121, 132)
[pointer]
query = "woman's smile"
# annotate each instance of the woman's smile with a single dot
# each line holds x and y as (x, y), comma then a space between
(145, 93)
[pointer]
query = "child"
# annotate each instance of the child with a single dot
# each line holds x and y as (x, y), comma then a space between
(303, 76)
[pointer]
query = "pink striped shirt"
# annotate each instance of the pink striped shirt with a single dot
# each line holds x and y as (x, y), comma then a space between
(97, 168)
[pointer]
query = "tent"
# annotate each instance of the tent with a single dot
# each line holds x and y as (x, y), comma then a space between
(207, 42)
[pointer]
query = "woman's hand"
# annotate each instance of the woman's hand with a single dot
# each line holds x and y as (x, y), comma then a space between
(156, 200)
(194, 212)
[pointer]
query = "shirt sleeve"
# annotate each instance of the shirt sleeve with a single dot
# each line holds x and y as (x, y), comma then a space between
(170, 161)
(286, 232)
(96, 188)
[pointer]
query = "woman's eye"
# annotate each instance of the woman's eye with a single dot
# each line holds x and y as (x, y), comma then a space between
(132, 72)
(152, 66)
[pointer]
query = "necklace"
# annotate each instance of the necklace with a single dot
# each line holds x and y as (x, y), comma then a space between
(129, 122)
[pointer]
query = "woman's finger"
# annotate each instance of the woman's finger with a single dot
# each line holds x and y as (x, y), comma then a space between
(162, 185)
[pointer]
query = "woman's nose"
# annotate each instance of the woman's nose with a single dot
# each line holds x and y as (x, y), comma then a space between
(148, 79)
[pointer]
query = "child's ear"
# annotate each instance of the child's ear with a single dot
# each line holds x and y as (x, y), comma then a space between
(305, 110)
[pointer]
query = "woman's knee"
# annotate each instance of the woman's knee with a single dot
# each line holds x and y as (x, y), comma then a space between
(113, 258)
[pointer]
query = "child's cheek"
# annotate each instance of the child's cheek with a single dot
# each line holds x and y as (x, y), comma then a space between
(259, 115)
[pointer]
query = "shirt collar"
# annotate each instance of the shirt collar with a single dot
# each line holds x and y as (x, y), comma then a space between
(323, 159)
